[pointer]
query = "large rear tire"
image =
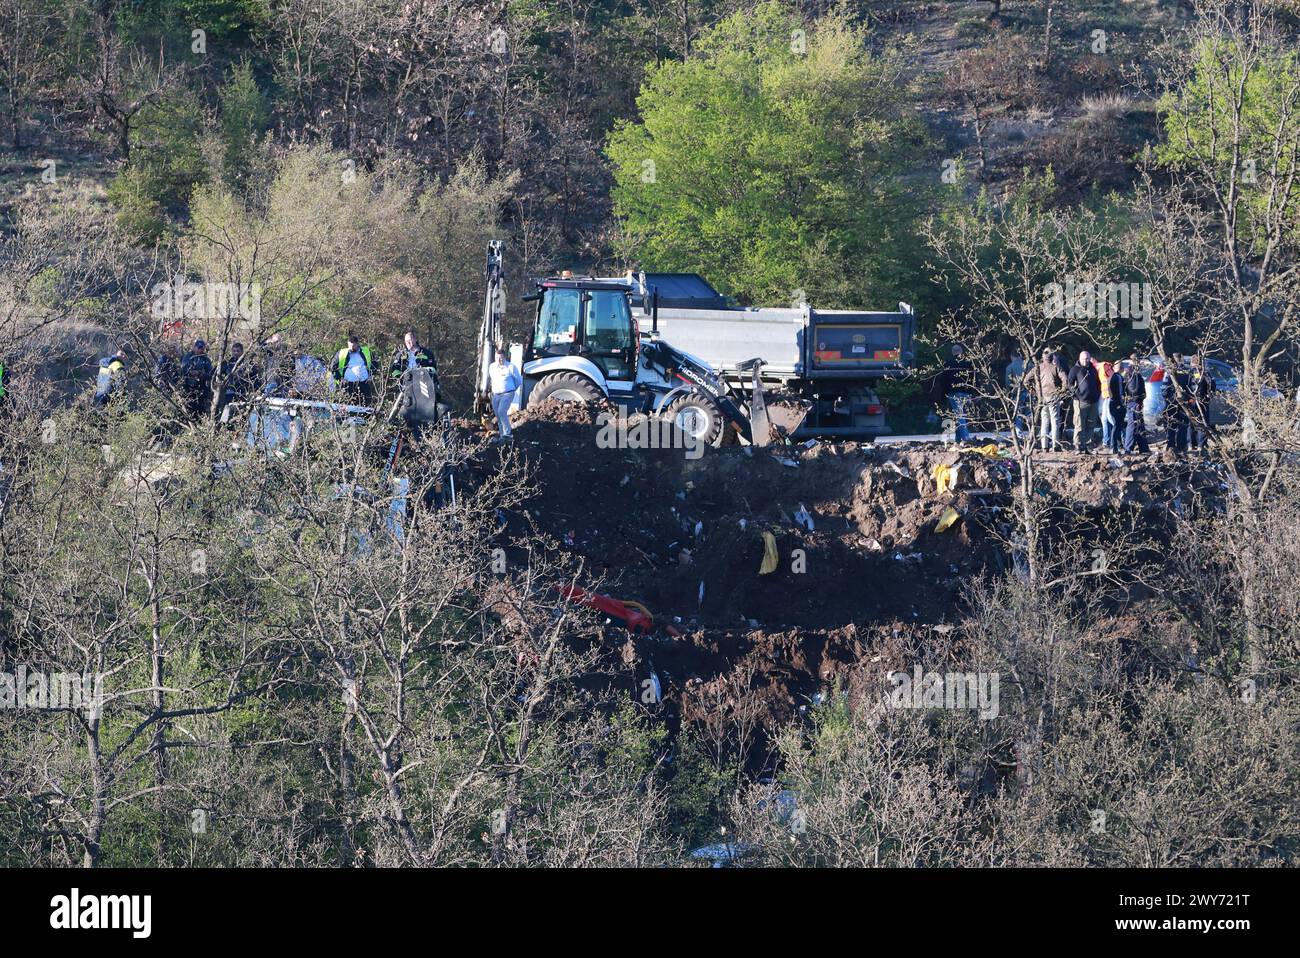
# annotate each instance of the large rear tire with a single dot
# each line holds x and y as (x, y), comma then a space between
(566, 387)
(698, 416)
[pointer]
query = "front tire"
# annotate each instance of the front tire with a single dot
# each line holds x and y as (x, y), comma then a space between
(565, 387)
(697, 416)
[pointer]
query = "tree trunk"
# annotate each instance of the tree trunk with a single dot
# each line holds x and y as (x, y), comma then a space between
(99, 804)
(1047, 41)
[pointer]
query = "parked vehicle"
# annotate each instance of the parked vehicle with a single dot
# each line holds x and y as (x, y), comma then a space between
(585, 346)
(832, 359)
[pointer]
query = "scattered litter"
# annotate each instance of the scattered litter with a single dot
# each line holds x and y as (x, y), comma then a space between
(770, 557)
(626, 480)
(804, 517)
(811, 444)
(743, 523)
(901, 470)
(1116, 463)
(793, 464)
(945, 477)
(684, 557)
(701, 599)
(699, 529)
(950, 516)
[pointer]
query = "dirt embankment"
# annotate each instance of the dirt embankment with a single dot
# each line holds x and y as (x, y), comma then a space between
(868, 552)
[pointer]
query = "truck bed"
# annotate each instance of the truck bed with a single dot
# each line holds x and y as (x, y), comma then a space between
(851, 344)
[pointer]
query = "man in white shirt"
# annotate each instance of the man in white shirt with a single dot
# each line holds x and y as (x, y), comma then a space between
(504, 380)
(352, 369)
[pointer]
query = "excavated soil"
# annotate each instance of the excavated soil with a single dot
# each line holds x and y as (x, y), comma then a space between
(862, 570)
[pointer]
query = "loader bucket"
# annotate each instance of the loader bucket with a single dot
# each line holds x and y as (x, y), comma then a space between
(786, 417)
(760, 429)
(775, 421)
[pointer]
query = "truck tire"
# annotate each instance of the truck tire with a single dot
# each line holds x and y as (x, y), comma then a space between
(566, 387)
(696, 415)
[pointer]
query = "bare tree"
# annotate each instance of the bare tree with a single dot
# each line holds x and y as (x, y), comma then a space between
(27, 63)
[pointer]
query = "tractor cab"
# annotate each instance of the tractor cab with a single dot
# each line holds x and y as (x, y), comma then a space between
(578, 316)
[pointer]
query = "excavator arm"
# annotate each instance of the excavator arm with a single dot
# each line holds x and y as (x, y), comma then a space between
(489, 334)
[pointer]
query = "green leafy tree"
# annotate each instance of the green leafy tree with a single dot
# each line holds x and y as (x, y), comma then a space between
(770, 161)
(1239, 118)
(167, 162)
(244, 116)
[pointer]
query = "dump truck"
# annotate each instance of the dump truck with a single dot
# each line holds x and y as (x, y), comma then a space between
(832, 359)
(585, 345)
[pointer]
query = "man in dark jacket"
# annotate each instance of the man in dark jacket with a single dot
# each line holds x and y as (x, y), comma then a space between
(1135, 429)
(1085, 387)
(1177, 387)
(196, 378)
(1202, 388)
(167, 368)
(411, 355)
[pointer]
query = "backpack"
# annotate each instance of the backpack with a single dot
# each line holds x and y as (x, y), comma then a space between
(419, 395)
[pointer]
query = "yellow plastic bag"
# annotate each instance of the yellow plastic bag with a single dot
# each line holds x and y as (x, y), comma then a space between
(949, 516)
(945, 477)
(770, 557)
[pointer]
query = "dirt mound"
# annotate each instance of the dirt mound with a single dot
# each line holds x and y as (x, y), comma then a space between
(859, 530)
(868, 547)
(561, 413)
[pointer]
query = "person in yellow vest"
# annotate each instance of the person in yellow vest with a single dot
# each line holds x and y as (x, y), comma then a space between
(352, 370)
(112, 373)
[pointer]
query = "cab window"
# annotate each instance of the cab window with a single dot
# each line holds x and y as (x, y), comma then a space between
(559, 320)
(608, 322)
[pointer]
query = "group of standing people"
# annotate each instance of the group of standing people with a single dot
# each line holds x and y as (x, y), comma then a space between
(1120, 399)
(277, 372)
